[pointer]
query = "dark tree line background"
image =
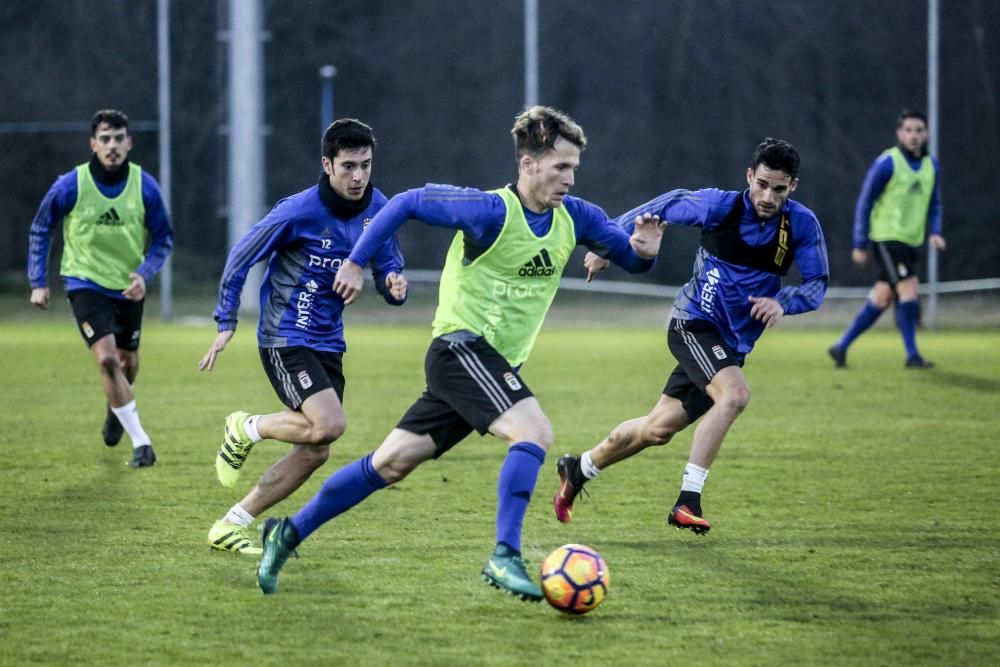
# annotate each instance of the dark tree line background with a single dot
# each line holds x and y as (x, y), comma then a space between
(671, 94)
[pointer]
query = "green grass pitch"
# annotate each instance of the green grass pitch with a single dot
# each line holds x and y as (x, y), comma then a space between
(856, 514)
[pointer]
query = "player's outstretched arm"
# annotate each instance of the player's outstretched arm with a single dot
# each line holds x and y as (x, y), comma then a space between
(349, 281)
(207, 362)
(645, 240)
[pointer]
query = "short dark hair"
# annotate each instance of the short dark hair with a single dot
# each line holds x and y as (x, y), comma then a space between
(112, 117)
(776, 154)
(537, 128)
(909, 113)
(347, 133)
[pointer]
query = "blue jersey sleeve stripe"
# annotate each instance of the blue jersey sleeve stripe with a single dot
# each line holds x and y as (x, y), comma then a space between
(39, 241)
(237, 266)
(657, 206)
(255, 242)
(875, 181)
(40, 234)
(455, 196)
(159, 228)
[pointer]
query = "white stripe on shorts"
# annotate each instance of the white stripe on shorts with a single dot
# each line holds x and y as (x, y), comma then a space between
(478, 372)
(291, 393)
(702, 359)
(887, 260)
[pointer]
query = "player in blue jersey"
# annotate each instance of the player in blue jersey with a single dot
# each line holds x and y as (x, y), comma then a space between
(110, 210)
(500, 276)
(749, 240)
(899, 202)
(305, 239)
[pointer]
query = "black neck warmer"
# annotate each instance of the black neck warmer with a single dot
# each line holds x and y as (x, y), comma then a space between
(914, 156)
(105, 177)
(340, 207)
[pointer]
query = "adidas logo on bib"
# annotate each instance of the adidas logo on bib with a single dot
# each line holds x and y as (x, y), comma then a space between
(110, 217)
(540, 265)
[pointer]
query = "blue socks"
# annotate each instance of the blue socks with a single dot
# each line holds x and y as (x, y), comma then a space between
(864, 319)
(340, 492)
(909, 311)
(518, 476)
(356, 481)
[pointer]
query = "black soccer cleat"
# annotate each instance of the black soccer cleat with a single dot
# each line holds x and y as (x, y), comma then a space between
(563, 500)
(112, 430)
(916, 361)
(142, 456)
(838, 355)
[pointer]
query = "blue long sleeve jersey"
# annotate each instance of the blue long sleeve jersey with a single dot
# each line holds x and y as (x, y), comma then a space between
(875, 181)
(720, 291)
(60, 200)
(306, 245)
(480, 216)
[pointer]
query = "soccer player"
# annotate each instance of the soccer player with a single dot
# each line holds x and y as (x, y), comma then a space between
(749, 240)
(111, 210)
(500, 276)
(899, 201)
(306, 238)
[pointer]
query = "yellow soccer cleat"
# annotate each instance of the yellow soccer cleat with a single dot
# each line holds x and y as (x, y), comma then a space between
(232, 537)
(236, 445)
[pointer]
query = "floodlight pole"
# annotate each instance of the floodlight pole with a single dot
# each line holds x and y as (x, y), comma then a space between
(530, 52)
(933, 38)
(166, 159)
(326, 76)
(246, 132)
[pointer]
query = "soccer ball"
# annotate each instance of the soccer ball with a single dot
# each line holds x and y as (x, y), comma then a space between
(575, 579)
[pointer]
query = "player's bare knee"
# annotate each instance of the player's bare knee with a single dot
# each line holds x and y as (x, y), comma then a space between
(109, 365)
(328, 431)
(130, 366)
(400, 453)
(541, 435)
(538, 431)
(735, 399)
(881, 295)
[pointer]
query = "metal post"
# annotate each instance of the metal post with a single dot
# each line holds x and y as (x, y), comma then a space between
(530, 52)
(246, 135)
(933, 38)
(326, 75)
(166, 159)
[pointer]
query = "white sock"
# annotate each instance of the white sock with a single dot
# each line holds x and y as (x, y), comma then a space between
(694, 478)
(128, 415)
(590, 471)
(238, 515)
(250, 426)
